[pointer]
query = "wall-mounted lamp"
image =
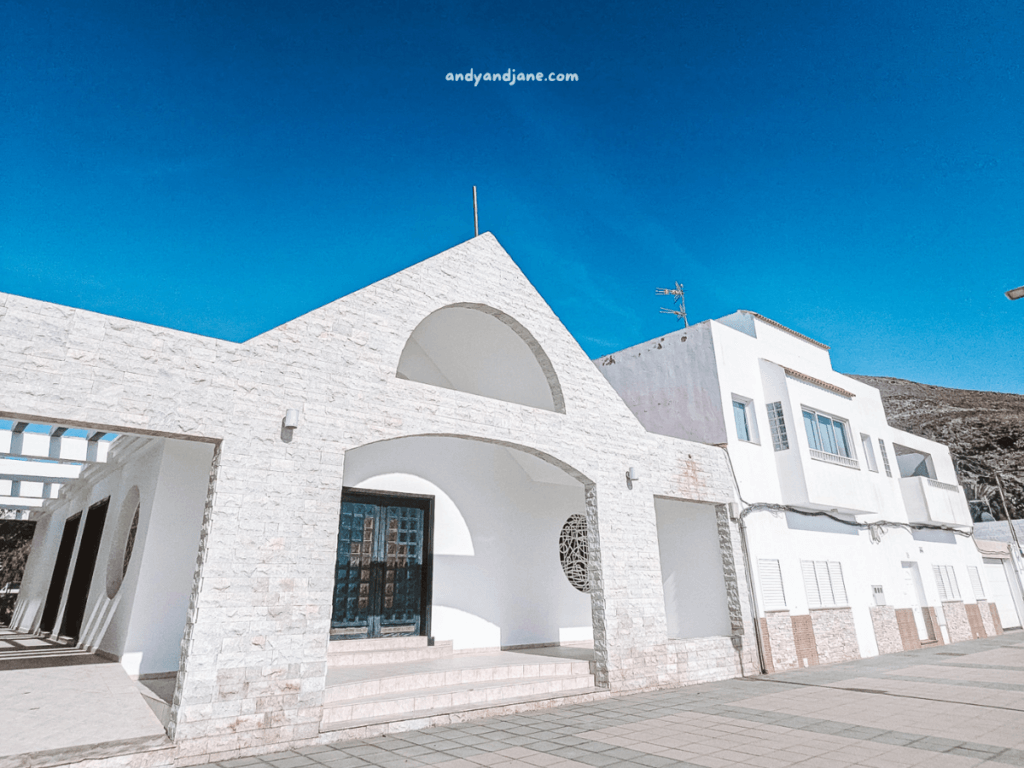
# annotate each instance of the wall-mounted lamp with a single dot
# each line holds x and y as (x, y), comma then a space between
(291, 418)
(632, 474)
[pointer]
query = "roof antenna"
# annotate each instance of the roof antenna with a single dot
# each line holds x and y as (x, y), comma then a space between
(476, 218)
(680, 299)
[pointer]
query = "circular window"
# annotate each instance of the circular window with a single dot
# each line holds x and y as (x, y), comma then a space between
(572, 550)
(122, 543)
(130, 544)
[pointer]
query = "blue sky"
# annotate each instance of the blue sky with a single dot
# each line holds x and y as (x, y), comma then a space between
(852, 170)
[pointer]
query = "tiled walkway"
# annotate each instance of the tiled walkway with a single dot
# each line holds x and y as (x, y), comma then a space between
(945, 707)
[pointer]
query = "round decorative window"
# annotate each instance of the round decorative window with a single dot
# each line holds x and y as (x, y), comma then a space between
(122, 542)
(130, 543)
(572, 550)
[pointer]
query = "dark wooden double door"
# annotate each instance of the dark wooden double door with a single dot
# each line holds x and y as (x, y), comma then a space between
(382, 577)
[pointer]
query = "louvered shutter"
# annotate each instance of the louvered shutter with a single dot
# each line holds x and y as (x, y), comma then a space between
(940, 581)
(979, 590)
(811, 584)
(771, 584)
(835, 572)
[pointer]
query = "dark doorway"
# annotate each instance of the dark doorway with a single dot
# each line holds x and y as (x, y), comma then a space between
(78, 592)
(383, 575)
(60, 573)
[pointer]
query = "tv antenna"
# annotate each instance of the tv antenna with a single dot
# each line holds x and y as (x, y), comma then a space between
(679, 298)
(476, 218)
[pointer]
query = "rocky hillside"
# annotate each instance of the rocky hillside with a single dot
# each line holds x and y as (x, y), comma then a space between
(984, 432)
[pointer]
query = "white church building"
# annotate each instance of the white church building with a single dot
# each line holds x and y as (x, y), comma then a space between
(419, 503)
(859, 535)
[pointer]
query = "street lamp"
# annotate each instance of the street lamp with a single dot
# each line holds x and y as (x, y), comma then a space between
(1016, 293)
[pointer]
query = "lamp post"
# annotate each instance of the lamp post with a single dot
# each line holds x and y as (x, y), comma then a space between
(1016, 293)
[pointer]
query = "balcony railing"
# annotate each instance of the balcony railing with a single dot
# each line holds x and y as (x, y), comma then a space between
(834, 459)
(943, 486)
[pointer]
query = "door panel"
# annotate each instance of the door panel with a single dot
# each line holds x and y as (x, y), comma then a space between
(383, 565)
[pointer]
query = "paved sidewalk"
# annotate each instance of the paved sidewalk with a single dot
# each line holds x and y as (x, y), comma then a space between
(953, 706)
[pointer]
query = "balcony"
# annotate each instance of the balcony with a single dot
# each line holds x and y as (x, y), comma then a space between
(930, 501)
(832, 458)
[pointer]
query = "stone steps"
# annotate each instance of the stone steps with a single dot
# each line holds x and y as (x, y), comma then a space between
(397, 650)
(402, 679)
(432, 702)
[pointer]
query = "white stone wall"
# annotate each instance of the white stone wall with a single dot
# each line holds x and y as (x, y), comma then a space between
(834, 635)
(255, 646)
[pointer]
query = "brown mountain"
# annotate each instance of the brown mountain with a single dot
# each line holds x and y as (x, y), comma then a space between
(984, 432)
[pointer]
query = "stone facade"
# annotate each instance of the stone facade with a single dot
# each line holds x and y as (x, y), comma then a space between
(957, 624)
(888, 634)
(804, 641)
(835, 635)
(932, 617)
(909, 636)
(997, 624)
(975, 621)
(988, 626)
(780, 645)
(254, 652)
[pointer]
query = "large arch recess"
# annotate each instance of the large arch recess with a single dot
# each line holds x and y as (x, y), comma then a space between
(481, 350)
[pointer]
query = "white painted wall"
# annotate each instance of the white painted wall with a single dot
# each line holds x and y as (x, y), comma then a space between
(469, 350)
(497, 576)
(143, 623)
(791, 538)
(671, 384)
(696, 604)
(169, 547)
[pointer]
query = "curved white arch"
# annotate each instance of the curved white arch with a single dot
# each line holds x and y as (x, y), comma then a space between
(478, 349)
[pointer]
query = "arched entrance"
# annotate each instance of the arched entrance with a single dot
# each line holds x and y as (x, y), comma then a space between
(471, 528)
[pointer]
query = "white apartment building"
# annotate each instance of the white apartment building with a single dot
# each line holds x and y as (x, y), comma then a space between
(858, 534)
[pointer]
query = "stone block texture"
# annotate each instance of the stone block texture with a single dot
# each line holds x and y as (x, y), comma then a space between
(804, 641)
(997, 624)
(835, 635)
(780, 645)
(909, 636)
(254, 653)
(957, 624)
(932, 619)
(974, 620)
(888, 634)
(988, 628)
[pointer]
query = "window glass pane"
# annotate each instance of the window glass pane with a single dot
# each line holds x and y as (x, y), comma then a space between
(841, 442)
(812, 431)
(828, 439)
(739, 410)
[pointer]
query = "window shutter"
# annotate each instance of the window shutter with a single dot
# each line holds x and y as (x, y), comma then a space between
(954, 588)
(771, 584)
(835, 572)
(811, 584)
(939, 580)
(979, 590)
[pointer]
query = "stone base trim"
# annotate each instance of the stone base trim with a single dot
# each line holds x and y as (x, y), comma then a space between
(907, 625)
(997, 623)
(835, 635)
(888, 633)
(779, 644)
(957, 623)
(932, 617)
(804, 641)
(975, 622)
(986, 618)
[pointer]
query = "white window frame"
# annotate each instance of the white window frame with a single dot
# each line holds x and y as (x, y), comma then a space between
(749, 418)
(824, 584)
(885, 457)
(819, 448)
(869, 452)
(777, 426)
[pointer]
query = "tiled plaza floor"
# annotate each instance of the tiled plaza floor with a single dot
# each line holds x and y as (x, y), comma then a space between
(953, 706)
